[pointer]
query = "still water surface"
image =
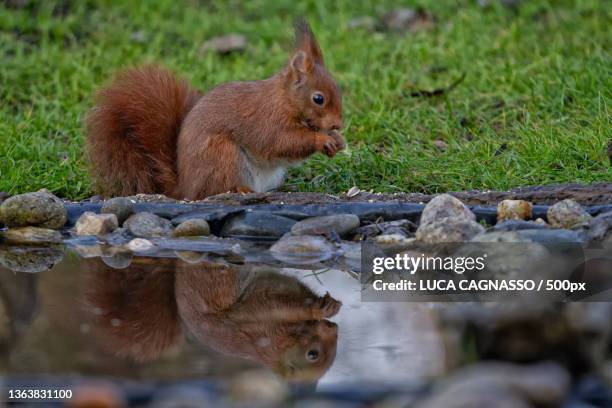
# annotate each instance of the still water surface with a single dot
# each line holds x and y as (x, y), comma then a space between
(159, 318)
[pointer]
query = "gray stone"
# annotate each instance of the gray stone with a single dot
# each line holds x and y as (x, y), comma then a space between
(567, 214)
(226, 44)
(302, 249)
(516, 225)
(31, 235)
(257, 224)
(514, 210)
(118, 237)
(600, 227)
(192, 228)
(96, 224)
(122, 207)
(448, 230)
(405, 228)
(445, 206)
(148, 225)
(41, 209)
(30, 259)
(341, 224)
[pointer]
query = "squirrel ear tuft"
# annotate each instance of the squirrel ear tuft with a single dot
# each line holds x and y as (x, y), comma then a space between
(305, 40)
(301, 65)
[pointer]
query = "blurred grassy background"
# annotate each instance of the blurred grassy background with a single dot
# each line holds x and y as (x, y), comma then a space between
(532, 109)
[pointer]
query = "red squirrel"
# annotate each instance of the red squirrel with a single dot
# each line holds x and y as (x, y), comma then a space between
(251, 312)
(149, 132)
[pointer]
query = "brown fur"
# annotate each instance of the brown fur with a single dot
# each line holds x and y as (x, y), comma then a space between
(258, 315)
(150, 133)
(132, 131)
(132, 311)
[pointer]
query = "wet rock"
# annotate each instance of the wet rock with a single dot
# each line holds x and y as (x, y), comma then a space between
(226, 44)
(540, 221)
(89, 251)
(516, 225)
(122, 207)
(257, 224)
(31, 235)
(145, 225)
(514, 210)
(501, 385)
(191, 228)
(448, 230)
(96, 224)
(405, 228)
(41, 209)
(3, 196)
(258, 387)
(120, 259)
(445, 206)
(118, 237)
(567, 214)
(140, 245)
(26, 259)
(367, 23)
(302, 249)
(341, 224)
(214, 216)
(600, 227)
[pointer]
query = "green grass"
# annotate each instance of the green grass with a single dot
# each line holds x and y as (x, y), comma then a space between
(533, 108)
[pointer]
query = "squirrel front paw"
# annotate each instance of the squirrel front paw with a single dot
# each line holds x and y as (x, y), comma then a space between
(330, 143)
(327, 306)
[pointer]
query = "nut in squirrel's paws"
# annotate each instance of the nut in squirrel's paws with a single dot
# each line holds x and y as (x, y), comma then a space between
(329, 306)
(334, 142)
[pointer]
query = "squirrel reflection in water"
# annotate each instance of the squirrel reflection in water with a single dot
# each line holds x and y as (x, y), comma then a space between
(260, 315)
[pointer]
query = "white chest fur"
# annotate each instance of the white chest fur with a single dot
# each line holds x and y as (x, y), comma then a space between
(262, 177)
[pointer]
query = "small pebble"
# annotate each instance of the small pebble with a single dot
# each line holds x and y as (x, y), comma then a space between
(90, 223)
(190, 228)
(514, 210)
(140, 245)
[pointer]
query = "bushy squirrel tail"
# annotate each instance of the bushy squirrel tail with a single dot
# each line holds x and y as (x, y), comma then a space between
(132, 131)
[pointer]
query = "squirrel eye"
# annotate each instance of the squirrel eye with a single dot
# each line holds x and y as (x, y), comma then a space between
(312, 355)
(318, 98)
